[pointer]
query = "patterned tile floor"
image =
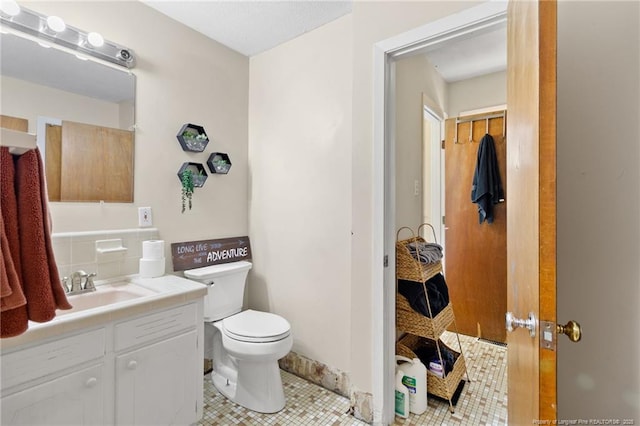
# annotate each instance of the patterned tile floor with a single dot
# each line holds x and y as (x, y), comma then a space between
(482, 402)
(307, 404)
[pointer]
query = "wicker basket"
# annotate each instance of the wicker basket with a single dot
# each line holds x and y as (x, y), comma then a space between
(410, 321)
(409, 268)
(442, 387)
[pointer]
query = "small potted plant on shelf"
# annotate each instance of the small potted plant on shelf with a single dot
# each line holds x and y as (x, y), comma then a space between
(195, 141)
(187, 188)
(221, 165)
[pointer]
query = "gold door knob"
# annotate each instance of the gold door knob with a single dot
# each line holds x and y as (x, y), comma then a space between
(572, 330)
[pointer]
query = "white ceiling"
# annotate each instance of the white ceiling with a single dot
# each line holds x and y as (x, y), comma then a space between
(254, 26)
(463, 58)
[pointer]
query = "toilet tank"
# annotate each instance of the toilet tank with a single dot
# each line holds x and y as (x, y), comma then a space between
(225, 283)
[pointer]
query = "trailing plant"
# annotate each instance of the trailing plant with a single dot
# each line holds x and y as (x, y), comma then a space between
(187, 189)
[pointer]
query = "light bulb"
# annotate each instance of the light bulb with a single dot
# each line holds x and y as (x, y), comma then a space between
(95, 39)
(56, 24)
(9, 7)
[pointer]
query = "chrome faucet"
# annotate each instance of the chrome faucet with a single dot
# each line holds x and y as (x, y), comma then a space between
(80, 282)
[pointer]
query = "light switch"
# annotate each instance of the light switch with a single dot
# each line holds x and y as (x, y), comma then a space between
(144, 217)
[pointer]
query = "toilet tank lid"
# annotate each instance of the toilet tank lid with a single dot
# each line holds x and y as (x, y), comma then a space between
(217, 270)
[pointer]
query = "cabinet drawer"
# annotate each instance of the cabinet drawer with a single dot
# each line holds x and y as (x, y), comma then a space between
(154, 326)
(38, 361)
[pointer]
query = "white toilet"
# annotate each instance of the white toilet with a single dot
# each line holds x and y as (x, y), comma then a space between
(246, 345)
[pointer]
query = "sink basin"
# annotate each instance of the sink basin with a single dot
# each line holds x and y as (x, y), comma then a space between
(104, 295)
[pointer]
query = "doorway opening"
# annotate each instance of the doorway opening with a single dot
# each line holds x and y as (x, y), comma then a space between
(466, 24)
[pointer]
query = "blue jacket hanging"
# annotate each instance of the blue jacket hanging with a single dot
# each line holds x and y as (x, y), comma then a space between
(487, 186)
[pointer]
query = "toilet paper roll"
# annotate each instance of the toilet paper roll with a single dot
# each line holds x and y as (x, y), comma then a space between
(151, 268)
(153, 249)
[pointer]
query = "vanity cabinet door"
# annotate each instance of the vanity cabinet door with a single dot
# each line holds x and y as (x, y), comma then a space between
(155, 385)
(73, 399)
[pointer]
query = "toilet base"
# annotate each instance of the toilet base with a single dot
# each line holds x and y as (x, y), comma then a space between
(258, 386)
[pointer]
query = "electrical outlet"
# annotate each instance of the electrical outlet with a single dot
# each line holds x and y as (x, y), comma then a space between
(144, 217)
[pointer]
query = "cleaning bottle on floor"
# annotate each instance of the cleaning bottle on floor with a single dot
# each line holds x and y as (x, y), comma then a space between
(402, 396)
(415, 379)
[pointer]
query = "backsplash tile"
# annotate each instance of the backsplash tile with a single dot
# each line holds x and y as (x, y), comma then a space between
(77, 250)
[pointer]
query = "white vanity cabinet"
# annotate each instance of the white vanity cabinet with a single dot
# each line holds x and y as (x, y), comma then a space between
(137, 369)
(155, 384)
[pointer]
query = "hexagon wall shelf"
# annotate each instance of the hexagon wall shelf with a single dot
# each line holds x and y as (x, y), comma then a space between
(199, 173)
(192, 138)
(219, 163)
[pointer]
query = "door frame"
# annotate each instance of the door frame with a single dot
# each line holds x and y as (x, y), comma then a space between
(386, 52)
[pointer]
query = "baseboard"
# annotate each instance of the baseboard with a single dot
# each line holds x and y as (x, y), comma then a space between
(332, 379)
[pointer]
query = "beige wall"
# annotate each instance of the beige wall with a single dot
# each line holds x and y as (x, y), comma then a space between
(23, 99)
(300, 205)
(415, 77)
(182, 77)
(478, 92)
(599, 209)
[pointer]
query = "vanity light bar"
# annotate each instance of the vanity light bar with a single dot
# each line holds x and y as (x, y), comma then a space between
(35, 24)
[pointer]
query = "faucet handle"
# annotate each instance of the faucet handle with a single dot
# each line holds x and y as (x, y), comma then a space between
(76, 280)
(65, 286)
(88, 284)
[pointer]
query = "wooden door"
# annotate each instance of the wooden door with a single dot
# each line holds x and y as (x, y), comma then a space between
(476, 254)
(531, 218)
(14, 123)
(97, 163)
(53, 160)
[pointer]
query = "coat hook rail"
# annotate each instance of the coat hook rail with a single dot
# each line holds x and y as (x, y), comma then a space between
(474, 118)
(479, 117)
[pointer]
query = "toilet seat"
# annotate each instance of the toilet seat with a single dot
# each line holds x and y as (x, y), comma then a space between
(256, 327)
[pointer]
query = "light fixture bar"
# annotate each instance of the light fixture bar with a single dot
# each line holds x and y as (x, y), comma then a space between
(35, 24)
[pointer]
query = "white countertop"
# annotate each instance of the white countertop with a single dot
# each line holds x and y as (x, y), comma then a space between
(168, 290)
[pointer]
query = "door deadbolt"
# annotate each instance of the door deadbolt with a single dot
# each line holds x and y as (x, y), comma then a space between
(530, 323)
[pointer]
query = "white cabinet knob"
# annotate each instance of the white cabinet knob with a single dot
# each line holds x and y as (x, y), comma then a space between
(132, 365)
(91, 382)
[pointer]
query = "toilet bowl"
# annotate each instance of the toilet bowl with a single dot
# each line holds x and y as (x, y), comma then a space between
(246, 344)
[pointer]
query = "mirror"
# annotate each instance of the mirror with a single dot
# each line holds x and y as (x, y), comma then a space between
(82, 112)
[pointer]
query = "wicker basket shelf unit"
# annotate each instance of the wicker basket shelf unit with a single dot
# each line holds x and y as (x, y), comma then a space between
(423, 330)
(444, 387)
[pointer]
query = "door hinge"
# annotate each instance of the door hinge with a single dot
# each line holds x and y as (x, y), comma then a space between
(548, 335)
(443, 220)
(442, 143)
(385, 262)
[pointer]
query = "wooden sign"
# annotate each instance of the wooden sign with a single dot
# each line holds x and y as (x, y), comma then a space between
(196, 254)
